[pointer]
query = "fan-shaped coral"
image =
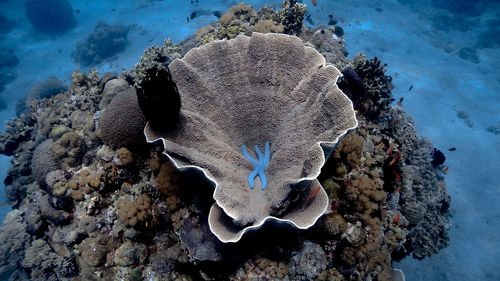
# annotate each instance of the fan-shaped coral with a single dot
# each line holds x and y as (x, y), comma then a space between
(249, 91)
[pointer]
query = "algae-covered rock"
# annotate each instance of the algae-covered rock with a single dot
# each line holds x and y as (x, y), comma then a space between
(43, 161)
(69, 150)
(58, 131)
(13, 240)
(333, 224)
(53, 267)
(93, 250)
(130, 253)
(51, 214)
(309, 262)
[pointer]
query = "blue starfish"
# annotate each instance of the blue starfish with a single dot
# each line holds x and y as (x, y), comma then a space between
(259, 167)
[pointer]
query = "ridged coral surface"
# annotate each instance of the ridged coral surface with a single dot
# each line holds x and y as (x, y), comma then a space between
(247, 91)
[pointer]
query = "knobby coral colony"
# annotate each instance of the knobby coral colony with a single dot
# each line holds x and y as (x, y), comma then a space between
(88, 206)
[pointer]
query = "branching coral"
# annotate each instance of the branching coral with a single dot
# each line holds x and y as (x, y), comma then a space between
(291, 16)
(368, 86)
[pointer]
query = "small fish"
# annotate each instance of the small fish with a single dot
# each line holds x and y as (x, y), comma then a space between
(395, 220)
(411, 88)
(400, 102)
(309, 20)
(333, 20)
(392, 161)
(314, 193)
(396, 176)
(187, 19)
(398, 156)
(445, 169)
(389, 150)
(218, 14)
(452, 148)
(314, 3)
(5, 204)
(200, 12)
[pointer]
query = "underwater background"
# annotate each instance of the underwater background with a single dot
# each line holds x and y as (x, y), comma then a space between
(443, 57)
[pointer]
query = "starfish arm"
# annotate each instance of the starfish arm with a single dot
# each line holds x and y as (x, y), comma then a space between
(263, 179)
(265, 160)
(251, 178)
(259, 154)
(245, 153)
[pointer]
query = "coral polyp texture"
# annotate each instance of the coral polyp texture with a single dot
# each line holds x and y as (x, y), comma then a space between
(247, 91)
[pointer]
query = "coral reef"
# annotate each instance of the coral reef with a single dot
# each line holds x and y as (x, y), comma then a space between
(157, 93)
(102, 44)
(6, 25)
(7, 57)
(7, 75)
(50, 16)
(47, 88)
(90, 205)
(8, 60)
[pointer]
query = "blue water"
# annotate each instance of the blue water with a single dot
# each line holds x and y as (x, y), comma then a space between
(448, 50)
